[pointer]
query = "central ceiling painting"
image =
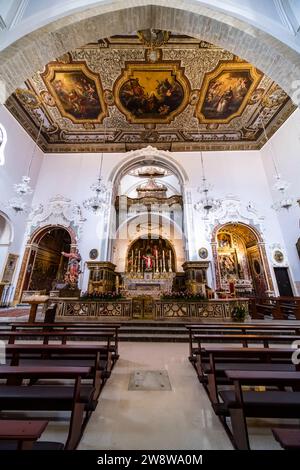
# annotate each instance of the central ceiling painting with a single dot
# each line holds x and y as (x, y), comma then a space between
(151, 94)
(175, 92)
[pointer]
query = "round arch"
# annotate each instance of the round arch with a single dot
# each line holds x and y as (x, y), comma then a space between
(192, 18)
(257, 240)
(147, 156)
(6, 238)
(6, 229)
(30, 253)
(168, 230)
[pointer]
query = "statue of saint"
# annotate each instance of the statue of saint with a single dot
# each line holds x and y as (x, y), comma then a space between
(73, 269)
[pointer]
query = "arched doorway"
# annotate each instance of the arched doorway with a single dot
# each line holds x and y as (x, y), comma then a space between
(30, 253)
(5, 239)
(46, 266)
(240, 260)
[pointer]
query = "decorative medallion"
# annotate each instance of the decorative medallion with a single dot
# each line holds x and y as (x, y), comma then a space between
(153, 37)
(203, 253)
(278, 256)
(94, 253)
(76, 90)
(226, 91)
(151, 93)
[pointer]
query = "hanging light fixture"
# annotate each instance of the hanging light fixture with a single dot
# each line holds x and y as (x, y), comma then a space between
(207, 203)
(97, 202)
(285, 201)
(23, 189)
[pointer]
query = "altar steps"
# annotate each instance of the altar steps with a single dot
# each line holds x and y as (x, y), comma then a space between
(153, 332)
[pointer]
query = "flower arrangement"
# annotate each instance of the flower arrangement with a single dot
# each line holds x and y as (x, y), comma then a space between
(101, 296)
(182, 295)
(238, 313)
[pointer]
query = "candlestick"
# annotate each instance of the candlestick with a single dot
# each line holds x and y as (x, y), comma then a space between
(156, 255)
(164, 261)
(170, 261)
(139, 258)
(132, 261)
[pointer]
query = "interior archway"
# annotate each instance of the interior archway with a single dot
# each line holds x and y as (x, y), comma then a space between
(239, 260)
(47, 266)
(7, 266)
(156, 255)
(195, 19)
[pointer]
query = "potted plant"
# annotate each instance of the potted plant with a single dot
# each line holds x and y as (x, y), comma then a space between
(238, 313)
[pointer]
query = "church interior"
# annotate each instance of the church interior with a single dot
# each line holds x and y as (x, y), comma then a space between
(149, 225)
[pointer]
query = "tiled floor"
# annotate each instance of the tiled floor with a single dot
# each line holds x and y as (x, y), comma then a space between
(177, 419)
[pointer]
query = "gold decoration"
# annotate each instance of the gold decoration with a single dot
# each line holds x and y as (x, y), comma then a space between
(77, 91)
(226, 91)
(28, 98)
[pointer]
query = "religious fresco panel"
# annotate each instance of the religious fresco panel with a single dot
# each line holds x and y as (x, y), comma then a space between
(76, 92)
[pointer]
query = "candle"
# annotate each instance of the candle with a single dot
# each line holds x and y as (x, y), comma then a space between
(170, 261)
(132, 262)
(164, 261)
(156, 254)
(139, 258)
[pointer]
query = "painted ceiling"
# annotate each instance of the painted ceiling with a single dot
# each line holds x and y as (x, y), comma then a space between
(174, 92)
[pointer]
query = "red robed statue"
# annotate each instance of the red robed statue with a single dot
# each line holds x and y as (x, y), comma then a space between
(73, 270)
(148, 262)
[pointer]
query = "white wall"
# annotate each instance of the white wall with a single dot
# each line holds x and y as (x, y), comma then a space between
(239, 174)
(285, 147)
(18, 152)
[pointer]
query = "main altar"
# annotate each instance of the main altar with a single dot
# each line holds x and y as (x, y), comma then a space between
(150, 284)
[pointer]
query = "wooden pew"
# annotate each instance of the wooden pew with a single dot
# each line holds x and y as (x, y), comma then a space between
(222, 358)
(289, 439)
(64, 336)
(243, 339)
(242, 328)
(23, 434)
(75, 397)
(60, 355)
(80, 326)
(290, 306)
(241, 404)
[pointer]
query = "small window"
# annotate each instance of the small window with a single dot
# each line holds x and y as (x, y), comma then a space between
(3, 139)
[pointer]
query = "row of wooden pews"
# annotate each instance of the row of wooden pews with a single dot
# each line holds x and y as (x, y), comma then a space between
(248, 372)
(277, 308)
(53, 367)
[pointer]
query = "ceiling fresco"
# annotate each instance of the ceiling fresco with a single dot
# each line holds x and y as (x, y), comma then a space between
(174, 92)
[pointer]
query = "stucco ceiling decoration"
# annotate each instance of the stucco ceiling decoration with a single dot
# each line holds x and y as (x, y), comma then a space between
(174, 92)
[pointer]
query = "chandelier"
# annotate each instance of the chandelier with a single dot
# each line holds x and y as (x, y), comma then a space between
(280, 185)
(207, 203)
(23, 189)
(97, 202)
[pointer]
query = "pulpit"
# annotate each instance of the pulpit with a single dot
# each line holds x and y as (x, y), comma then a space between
(34, 301)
